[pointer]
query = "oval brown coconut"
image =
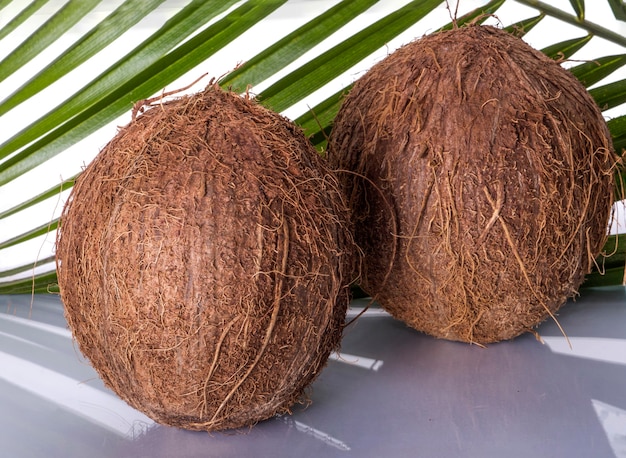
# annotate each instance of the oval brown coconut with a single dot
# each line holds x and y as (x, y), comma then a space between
(479, 173)
(202, 261)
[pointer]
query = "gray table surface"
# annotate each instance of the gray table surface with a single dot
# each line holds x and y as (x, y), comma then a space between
(391, 392)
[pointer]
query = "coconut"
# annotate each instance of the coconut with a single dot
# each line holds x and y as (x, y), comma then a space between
(479, 174)
(203, 262)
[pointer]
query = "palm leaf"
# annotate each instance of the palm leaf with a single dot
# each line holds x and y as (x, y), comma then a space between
(579, 8)
(521, 28)
(139, 86)
(592, 72)
(31, 234)
(53, 136)
(567, 48)
(186, 40)
(18, 20)
(118, 22)
(47, 34)
(590, 27)
(47, 194)
(294, 45)
(42, 283)
(27, 267)
(610, 95)
(617, 126)
(179, 27)
(324, 68)
(619, 9)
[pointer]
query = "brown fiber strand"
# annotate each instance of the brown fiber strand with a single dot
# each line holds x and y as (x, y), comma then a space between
(270, 328)
(523, 269)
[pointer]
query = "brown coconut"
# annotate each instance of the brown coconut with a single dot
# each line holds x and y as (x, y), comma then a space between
(479, 173)
(203, 259)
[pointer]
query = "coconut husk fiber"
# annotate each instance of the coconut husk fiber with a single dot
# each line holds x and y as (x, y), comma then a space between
(479, 174)
(203, 261)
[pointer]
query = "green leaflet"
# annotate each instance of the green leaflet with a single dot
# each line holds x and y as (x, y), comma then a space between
(49, 193)
(579, 8)
(4, 3)
(26, 267)
(596, 70)
(63, 20)
(31, 234)
(521, 28)
(42, 283)
(619, 9)
(322, 69)
(610, 95)
(317, 121)
(591, 27)
(18, 20)
(118, 22)
(617, 126)
(294, 45)
(137, 87)
(185, 22)
(565, 49)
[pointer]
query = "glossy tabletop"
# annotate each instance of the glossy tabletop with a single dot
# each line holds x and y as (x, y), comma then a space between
(390, 392)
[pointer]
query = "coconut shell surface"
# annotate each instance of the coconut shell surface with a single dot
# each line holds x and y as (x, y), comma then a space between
(479, 173)
(203, 261)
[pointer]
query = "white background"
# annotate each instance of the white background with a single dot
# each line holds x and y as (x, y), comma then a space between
(287, 18)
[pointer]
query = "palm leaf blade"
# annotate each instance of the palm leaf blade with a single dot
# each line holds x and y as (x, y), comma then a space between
(619, 9)
(323, 114)
(142, 85)
(122, 19)
(317, 72)
(294, 45)
(610, 95)
(31, 234)
(64, 19)
(4, 3)
(147, 53)
(43, 283)
(565, 49)
(591, 72)
(26, 267)
(108, 97)
(521, 28)
(47, 194)
(617, 126)
(18, 20)
(579, 8)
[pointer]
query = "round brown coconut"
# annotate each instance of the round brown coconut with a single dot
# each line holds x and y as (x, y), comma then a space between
(479, 174)
(203, 261)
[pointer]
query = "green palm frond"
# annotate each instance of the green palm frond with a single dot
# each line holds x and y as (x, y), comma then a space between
(579, 8)
(619, 9)
(20, 18)
(194, 33)
(565, 49)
